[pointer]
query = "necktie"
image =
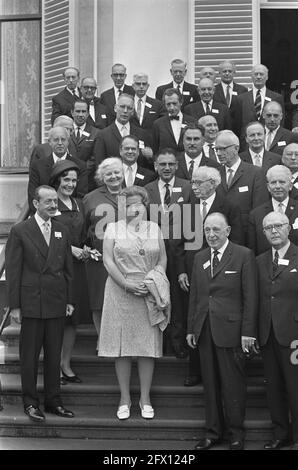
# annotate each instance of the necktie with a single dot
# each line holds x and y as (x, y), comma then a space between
(78, 136)
(281, 208)
(204, 210)
(92, 110)
(208, 108)
(119, 93)
(258, 104)
(174, 118)
(167, 195)
(275, 262)
(129, 181)
(139, 109)
(212, 154)
(190, 169)
(230, 177)
(215, 261)
(46, 232)
(228, 96)
(258, 161)
(178, 88)
(124, 131)
(269, 140)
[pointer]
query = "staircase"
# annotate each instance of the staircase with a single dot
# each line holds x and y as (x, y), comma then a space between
(179, 410)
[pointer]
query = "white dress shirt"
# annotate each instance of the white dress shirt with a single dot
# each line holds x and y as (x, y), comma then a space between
(234, 168)
(196, 161)
(143, 101)
(276, 204)
(273, 134)
(176, 127)
(57, 159)
(40, 222)
(126, 171)
(81, 129)
(254, 155)
(220, 253)
(263, 94)
(120, 127)
(281, 252)
(209, 201)
(116, 92)
(210, 104)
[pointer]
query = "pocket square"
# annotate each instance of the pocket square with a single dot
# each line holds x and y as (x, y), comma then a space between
(293, 270)
(230, 272)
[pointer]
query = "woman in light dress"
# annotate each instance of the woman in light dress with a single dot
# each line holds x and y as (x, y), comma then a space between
(132, 247)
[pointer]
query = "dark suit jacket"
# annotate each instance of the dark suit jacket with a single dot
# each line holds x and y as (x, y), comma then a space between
(62, 104)
(184, 256)
(278, 298)
(182, 171)
(163, 134)
(248, 188)
(109, 141)
(40, 172)
(153, 110)
(143, 177)
(107, 98)
(219, 111)
(257, 240)
(234, 107)
(229, 298)
(101, 115)
(282, 138)
(189, 92)
(269, 159)
(38, 276)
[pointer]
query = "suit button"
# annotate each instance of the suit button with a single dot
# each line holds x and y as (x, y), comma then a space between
(272, 297)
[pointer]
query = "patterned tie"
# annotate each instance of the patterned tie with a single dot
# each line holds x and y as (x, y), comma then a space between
(215, 261)
(269, 140)
(212, 154)
(139, 110)
(230, 177)
(258, 160)
(204, 209)
(258, 104)
(190, 169)
(208, 108)
(280, 208)
(46, 232)
(228, 96)
(167, 197)
(129, 181)
(275, 262)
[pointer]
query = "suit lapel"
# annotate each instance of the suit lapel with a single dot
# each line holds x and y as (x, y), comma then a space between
(290, 254)
(183, 167)
(37, 237)
(238, 174)
(176, 194)
(224, 260)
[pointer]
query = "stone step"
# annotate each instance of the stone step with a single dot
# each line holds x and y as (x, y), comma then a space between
(165, 391)
(170, 423)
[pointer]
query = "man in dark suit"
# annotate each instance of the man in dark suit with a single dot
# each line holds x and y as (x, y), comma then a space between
(222, 323)
(256, 153)
(290, 160)
(98, 115)
(278, 329)
(207, 105)
(188, 91)
(279, 185)
(40, 170)
(63, 102)
(240, 181)
(277, 137)
(167, 130)
(253, 101)
(193, 156)
(110, 137)
(84, 140)
(203, 200)
(134, 174)
(165, 194)
(227, 92)
(109, 97)
(147, 109)
(38, 275)
(211, 132)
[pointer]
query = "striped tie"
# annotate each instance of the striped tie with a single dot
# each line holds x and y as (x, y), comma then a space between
(258, 104)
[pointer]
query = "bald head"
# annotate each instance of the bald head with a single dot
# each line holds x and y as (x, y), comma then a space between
(226, 71)
(216, 230)
(64, 121)
(290, 157)
(259, 75)
(208, 72)
(272, 114)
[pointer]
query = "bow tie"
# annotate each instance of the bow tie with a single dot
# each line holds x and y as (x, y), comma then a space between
(174, 117)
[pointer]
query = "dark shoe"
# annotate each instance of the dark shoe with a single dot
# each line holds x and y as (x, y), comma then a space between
(71, 378)
(59, 411)
(205, 444)
(34, 413)
(63, 381)
(236, 445)
(192, 380)
(276, 444)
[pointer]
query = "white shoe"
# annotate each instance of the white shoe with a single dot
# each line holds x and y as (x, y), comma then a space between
(123, 411)
(147, 411)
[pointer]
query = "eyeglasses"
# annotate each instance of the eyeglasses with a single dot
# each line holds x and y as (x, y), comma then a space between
(221, 149)
(86, 87)
(199, 182)
(277, 227)
(121, 75)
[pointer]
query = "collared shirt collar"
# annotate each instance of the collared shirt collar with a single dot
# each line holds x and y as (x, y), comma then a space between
(119, 126)
(209, 200)
(282, 251)
(134, 167)
(220, 250)
(175, 85)
(196, 160)
(82, 128)
(40, 221)
(57, 159)
(254, 154)
(234, 167)
(162, 183)
(76, 91)
(276, 203)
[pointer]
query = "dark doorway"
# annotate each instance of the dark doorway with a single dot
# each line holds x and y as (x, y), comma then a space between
(279, 52)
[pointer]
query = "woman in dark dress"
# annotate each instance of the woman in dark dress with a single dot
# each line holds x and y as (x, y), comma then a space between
(101, 208)
(64, 178)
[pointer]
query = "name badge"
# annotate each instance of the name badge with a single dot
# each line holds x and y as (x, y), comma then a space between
(148, 105)
(185, 93)
(86, 133)
(180, 199)
(176, 190)
(141, 144)
(295, 224)
(183, 125)
(152, 112)
(58, 234)
(243, 189)
(267, 98)
(296, 185)
(283, 262)
(234, 93)
(215, 111)
(104, 116)
(141, 177)
(206, 265)
(57, 213)
(281, 143)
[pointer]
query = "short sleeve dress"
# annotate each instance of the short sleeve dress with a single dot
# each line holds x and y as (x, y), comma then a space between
(125, 328)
